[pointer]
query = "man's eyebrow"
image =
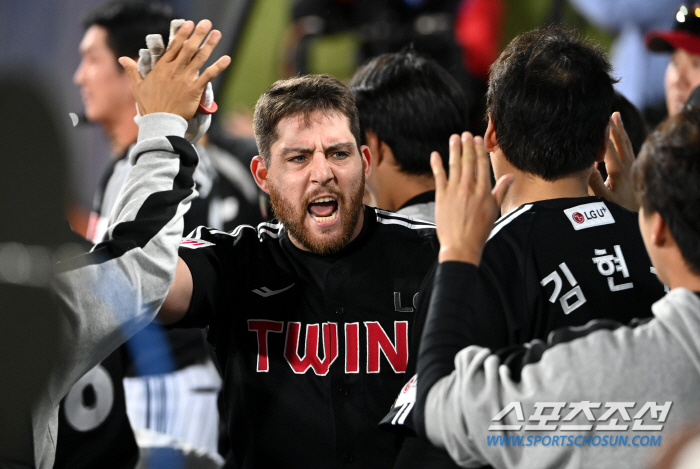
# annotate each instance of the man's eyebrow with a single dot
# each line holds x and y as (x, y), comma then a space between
(297, 151)
(344, 146)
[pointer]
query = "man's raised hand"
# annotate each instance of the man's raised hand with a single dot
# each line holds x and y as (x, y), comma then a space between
(174, 85)
(465, 205)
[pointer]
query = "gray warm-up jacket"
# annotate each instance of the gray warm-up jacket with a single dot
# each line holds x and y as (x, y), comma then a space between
(617, 394)
(107, 295)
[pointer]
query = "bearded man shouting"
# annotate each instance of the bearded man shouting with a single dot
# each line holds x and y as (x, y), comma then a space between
(310, 316)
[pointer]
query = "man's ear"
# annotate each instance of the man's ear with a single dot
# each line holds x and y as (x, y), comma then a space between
(374, 145)
(259, 170)
(490, 138)
(366, 156)
(600, 156)
(660, 234)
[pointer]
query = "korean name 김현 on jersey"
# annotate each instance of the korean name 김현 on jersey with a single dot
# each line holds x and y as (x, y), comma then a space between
(548, 264)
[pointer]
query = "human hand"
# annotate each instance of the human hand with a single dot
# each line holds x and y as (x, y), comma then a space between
(200, 122)
(174, 84)
(155, 48)
(465, 205)
(619, 157)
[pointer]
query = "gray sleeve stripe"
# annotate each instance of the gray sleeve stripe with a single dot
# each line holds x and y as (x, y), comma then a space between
(154, 214)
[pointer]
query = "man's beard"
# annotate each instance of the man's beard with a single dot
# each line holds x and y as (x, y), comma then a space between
(293, 220)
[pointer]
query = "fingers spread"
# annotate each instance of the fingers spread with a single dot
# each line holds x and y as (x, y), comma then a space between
(177, 41)
(131, 69)
(483, 172)
(438, 173)
(191, 45)
(203, 53)
(468, 160)
(455, 158)
(213, 70)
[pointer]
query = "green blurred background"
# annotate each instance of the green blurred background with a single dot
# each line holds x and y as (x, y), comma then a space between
(262, 48)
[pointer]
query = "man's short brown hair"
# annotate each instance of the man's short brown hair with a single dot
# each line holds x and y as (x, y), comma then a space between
(301, 95)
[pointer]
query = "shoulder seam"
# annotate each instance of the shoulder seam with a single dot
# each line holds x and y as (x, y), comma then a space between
(273, 230)
(390, 218)
(509, 217)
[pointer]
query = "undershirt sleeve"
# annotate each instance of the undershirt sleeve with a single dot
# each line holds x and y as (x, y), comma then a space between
(462, 312)
(206, 286)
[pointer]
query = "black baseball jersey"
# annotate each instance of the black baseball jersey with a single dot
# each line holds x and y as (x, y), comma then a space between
(551, 264)
(561, 262)
(313, 348)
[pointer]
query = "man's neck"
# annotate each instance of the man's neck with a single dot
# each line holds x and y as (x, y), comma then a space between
(675, 270)
(403, 188)
(527, 188)
(689, 281)
(121, 133)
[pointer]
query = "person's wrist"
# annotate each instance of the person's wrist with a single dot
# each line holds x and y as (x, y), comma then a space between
(158, 124)
(459, 254)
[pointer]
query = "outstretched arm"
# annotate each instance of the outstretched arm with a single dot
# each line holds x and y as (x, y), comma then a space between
(465, 210)
(178, 67)
(115, 290)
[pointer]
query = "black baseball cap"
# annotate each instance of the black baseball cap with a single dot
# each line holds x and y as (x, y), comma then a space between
(685, 34)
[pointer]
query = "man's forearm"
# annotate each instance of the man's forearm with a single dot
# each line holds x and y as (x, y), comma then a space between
(448, 329)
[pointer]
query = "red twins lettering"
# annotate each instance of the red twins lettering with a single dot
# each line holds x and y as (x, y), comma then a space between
(310, 358)
(262, 327)
(378, 340)
(352, 347)
(307, 356)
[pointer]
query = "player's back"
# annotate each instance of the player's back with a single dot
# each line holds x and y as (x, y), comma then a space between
(546, 265)
(564, 262)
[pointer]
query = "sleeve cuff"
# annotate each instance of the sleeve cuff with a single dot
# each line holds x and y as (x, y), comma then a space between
(161, 124)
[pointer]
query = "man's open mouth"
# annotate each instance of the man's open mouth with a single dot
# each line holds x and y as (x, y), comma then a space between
(323, 209)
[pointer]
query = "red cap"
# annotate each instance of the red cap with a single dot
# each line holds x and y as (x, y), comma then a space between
(685, 34)
(668, 41)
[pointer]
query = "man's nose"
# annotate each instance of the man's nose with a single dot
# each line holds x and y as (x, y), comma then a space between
(78, 74)
(681, 77)
(321, 171)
